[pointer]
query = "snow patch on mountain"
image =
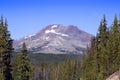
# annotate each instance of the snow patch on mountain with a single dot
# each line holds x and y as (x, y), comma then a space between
(45, 46)
(62, 34)
(47, 38)
(29, 36)
(54, 26)
(53, 31)
(61, 39)
(50, 31)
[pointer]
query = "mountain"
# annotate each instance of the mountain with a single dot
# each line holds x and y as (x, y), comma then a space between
(56, 39)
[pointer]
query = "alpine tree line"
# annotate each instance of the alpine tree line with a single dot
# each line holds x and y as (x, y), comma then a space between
(101, 60)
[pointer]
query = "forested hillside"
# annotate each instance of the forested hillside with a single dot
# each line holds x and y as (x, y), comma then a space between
(103, 56)
(37, 58)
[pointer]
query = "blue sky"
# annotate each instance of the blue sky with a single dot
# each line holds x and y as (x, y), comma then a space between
(30, 16)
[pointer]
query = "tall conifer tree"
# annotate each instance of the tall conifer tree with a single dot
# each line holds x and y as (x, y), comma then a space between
(22, 68)
(5, 50)
(115, 37)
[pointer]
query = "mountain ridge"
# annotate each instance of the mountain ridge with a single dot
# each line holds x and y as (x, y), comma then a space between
(56, 39)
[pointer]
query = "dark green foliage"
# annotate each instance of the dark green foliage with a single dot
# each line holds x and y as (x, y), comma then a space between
(76, 70)
(51, 66)
(103, 56)
(22, 68)
(5, 50)
(114, 46)
(67, 70)
(89, 64)
(37, 58)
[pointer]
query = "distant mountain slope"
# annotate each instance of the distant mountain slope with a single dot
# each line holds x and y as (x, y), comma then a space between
(56, 39)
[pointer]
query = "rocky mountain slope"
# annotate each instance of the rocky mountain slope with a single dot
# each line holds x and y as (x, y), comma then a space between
(114, 76)
(56, 39)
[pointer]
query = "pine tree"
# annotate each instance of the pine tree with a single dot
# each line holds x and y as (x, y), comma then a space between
(16, 72)
(87, 70)
(115, 51)
(68, 70)
(22, 68)
(96, 62)
(76, 70)
(60, 71)
(103, 56)
(5, 50)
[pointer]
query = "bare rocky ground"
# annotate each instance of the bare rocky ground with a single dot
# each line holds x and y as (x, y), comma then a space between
(115, 76)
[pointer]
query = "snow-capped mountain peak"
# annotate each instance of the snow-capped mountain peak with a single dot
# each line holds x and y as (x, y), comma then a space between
(54, 26)
(50, 31)
(57, 39)
(54, 32)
